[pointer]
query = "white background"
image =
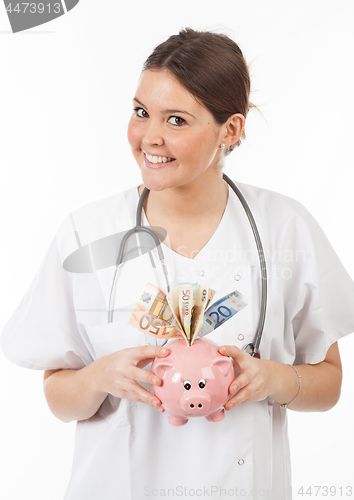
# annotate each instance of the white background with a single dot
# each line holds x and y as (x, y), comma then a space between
(65, 101)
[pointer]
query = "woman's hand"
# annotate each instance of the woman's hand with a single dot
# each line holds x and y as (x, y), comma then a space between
(119, 373)
(254, 378)
(257, 379)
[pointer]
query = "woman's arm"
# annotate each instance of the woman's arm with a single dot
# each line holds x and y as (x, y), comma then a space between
(78, 394)
(256, 379)
(71, 394)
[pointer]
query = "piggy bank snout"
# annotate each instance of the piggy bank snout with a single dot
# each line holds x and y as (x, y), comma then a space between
(195, 402)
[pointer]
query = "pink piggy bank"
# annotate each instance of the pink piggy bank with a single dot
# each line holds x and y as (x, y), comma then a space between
(195, 381)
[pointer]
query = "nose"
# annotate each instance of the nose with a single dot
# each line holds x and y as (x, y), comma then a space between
(153, 135)
(195, 402)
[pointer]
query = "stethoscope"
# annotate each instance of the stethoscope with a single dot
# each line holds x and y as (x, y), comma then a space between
(252, 349)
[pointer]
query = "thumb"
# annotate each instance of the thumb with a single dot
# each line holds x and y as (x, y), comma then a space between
(232, 351)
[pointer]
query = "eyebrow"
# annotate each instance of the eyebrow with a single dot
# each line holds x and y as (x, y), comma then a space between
(169, 111)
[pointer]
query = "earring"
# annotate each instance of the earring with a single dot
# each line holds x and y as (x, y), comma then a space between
(222, 146)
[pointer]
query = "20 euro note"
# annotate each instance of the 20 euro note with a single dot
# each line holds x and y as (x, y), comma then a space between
(152, 314)
(222, 310)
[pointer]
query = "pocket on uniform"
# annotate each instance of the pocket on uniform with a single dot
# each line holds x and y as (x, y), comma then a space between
(240, 330)
(108, 338)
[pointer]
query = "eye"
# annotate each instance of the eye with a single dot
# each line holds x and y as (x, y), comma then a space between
(176, 120)
(201, 383)
(187, 385)
(141, 112)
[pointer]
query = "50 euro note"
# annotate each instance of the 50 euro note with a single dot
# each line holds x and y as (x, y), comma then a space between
(152, 314)
(186, 306)
(188, 302)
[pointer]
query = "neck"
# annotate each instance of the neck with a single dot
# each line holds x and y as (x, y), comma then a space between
(205, 196)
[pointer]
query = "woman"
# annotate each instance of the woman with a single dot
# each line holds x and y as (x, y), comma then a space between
(189, 112)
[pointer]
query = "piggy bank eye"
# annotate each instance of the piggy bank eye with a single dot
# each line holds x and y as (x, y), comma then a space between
(187, 385)
(201, 383)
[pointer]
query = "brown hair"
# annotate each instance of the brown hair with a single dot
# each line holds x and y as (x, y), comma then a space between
(211, 67)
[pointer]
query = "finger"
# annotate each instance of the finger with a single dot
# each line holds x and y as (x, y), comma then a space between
(155, 403)
(242, 396)
(148, 352)
(232, 351)
(135, 392)
(140, 375)
(240, 382)
(142, 397)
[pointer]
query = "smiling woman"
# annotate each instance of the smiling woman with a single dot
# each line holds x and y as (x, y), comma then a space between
(190, 108)
(172, 124)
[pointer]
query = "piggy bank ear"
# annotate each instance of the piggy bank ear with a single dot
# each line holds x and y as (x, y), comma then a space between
(224, 363)
(162, 368)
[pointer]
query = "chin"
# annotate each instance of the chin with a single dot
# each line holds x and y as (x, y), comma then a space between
(154, 185)
(155, 182)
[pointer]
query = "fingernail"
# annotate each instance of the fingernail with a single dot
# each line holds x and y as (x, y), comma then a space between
(233, 388)
(158, 407)
(222, 349)
(155, 381)
(164, 351)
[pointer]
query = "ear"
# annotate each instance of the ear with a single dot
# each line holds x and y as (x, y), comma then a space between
(161, 368)
(224, 363)
(234, 128)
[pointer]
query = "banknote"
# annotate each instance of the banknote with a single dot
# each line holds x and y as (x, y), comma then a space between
(203, 296)
(222, 310)
(186, 301)
(184, 312)
(152, 314)
(173, 301)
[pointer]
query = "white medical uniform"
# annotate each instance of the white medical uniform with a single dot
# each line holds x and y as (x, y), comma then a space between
(128, 450)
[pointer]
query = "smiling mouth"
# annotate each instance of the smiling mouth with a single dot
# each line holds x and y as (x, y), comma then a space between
(158, 159)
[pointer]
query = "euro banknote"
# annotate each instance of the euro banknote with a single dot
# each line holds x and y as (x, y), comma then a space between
(188, 302)
(152, 314)
(222, 310)
(203, 297)
(186, 306)
(184, 312)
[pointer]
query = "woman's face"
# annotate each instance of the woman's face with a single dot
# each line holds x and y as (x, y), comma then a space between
(174, 139)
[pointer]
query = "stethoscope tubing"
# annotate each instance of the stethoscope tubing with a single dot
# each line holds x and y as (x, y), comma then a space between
(262, 262)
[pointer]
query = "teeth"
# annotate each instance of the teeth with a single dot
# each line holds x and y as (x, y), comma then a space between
(158, 159)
